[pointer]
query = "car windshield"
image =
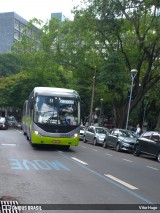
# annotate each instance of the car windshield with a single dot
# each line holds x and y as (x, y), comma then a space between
(11, 118)
(82, 128)
(106, 130)
(100, 131)
(130, 134)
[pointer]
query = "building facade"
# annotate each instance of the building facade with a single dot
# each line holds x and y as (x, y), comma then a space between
(58, 16)
(11, 28)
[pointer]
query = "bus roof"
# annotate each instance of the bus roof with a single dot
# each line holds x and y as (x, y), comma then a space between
(54, 91)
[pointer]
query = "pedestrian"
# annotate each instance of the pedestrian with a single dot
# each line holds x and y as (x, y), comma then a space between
(138, 130)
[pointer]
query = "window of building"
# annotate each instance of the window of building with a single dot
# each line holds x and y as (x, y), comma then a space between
(16, 35)
(29, 32)
(16, 24)
(22, 26)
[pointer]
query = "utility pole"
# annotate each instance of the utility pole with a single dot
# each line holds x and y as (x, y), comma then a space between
(133, 75)
(101, 112)
(92, 98)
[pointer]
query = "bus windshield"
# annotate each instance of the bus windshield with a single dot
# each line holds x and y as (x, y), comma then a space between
(56, 110)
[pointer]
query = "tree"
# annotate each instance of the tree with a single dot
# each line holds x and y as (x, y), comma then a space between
(37, 67)
(9, 64)
(126, 36)
(111, 36)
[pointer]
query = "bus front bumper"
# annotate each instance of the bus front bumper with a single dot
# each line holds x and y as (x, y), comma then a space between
(37, 139)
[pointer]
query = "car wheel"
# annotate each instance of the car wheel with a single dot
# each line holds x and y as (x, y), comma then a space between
(117, 147)
(136, 151)
(105, 144)
(95, 141)
(84, 139)
(158, 157)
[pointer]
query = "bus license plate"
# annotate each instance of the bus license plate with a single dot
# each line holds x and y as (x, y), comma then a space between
(56, 141)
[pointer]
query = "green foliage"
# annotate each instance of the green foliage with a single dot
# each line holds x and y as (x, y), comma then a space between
(9, 64)
(109, 37)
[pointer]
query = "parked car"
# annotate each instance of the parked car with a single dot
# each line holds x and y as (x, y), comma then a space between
(12, 122)
(3, 123)
(107, 130)
(96, 135)
(120, 139)
(149, 144)
(82, 128)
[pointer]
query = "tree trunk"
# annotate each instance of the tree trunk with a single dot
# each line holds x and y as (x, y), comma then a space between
(158, 124)
(119, 116)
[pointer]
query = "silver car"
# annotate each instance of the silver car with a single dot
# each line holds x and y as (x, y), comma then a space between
(120, 139)
(96, 135)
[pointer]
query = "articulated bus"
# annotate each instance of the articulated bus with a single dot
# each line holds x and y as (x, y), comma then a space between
(52, 116)
(24, 117)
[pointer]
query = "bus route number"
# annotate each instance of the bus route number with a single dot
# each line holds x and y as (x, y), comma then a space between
(66, 101)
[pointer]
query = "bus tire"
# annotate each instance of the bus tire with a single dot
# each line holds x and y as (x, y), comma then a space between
(33, 145)
(66, 147)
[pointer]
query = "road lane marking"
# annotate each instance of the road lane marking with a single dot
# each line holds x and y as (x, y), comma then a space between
(127, 160)
(95, 150)
(121, 182)
(8, 144)
(108, 154)
(152, 168)
(80, 161)
(84, 147)
(108, 180)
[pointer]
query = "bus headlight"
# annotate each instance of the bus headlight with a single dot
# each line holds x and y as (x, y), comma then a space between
(37, 133)
(75, 135)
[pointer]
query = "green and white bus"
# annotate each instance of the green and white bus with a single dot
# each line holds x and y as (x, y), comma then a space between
(24, 117)
(52, 116)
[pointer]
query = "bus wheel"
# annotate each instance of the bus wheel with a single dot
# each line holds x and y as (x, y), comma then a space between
(66, 147)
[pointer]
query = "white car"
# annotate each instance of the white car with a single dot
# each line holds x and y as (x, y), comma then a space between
(3, 123)
(82, 128)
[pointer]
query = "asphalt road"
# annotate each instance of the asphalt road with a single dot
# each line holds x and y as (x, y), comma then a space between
(85, 174)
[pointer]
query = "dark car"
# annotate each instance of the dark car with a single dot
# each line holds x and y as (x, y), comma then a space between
(149, 144)
(12, 122)
(120, 139)
(96, 135)
(3, 123)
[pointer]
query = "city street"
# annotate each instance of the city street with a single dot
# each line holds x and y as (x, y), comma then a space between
(86, 174)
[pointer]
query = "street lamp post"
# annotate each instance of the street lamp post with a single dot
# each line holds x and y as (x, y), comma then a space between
(133, 75)
(92, 98)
